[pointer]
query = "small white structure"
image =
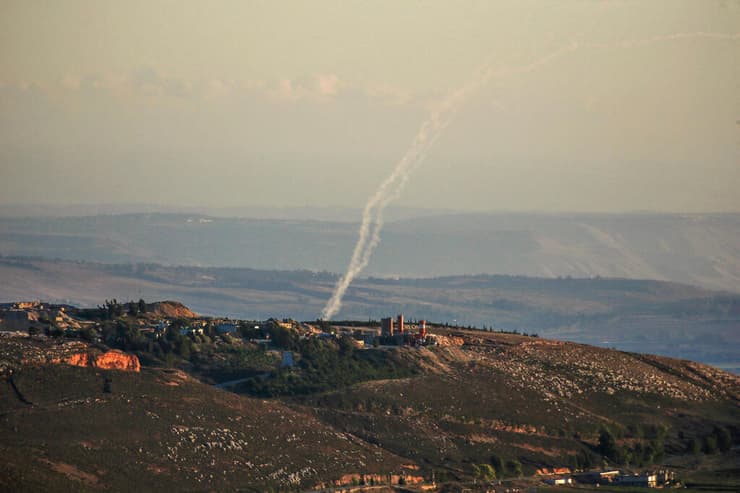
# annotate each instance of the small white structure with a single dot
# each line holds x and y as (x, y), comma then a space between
(557, 481)
(646, 480)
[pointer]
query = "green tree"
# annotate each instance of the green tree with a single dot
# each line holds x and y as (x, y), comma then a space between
(694, 446)
(282, 337)
(710, 444)
(111, 309)
(584, 459)
(608, 445)
(514, 467)
(170, 360)
(486, 472)
(184, 347)
(132, 308)
(497, 463)
(657, 447)
(346, 346)
(724, 438)
(127, 336)
(635, 431)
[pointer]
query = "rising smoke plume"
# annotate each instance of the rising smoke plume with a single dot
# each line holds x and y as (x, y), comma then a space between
(391, 188)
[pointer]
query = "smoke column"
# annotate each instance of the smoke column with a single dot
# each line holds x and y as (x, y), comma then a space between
(391, 188)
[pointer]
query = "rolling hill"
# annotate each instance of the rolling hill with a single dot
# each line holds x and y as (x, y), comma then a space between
(158, 429)
(520, 404)
(694, 249)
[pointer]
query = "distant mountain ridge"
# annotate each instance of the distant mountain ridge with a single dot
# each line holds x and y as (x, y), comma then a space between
(307, 213)
(690, 248)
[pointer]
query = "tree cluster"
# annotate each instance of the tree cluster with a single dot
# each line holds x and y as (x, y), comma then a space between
(720, 440)
(111, 310)
(641, 453)
(325, 365)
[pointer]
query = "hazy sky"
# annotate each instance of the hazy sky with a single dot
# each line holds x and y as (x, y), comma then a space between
(312, 103)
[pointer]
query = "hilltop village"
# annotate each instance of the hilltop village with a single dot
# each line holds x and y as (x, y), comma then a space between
(233, 354)
(162, 319)
(170, 329)
(406, 403)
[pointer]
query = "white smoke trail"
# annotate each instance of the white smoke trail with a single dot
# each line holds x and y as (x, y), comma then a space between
(391, 188)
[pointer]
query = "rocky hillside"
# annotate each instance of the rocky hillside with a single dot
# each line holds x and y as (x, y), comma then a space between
(71, 428)
(539, 402)
(519, 404)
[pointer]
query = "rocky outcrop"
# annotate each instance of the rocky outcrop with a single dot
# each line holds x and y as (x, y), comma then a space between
(110, 360)
(355, 479)
(80, 359)
(171, 309)
(117, 360)
(553, 471)
(450, 340)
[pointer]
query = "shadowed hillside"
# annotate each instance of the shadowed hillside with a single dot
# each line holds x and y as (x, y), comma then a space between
(63, 428)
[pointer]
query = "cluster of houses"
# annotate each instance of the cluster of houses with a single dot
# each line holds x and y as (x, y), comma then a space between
(30, 316)
(19, 316)
(649, 479)
(39, 317)
(24, 316)
(195, 327)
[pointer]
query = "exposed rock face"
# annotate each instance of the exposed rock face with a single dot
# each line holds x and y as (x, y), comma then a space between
(554, 471)
(110, 360)
(378, 479)
(117, 360)
(446, 341)
(79, 359)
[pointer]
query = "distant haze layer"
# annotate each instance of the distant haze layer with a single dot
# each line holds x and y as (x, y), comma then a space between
(696, 249)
